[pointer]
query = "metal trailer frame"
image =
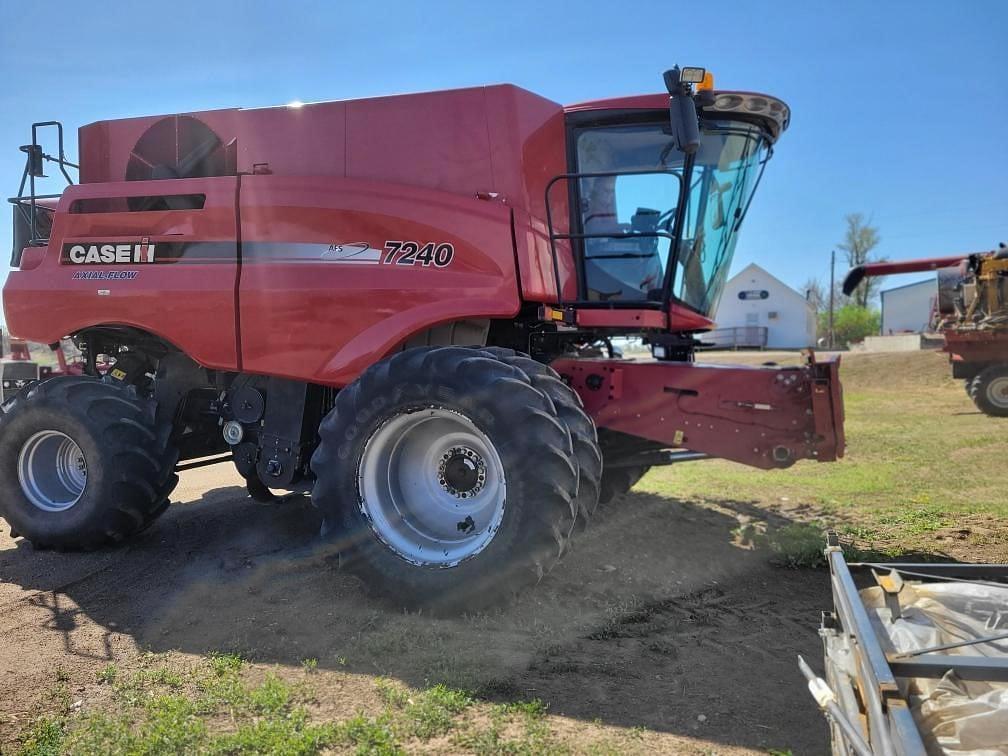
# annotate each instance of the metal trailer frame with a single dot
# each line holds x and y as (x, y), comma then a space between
(865, 676)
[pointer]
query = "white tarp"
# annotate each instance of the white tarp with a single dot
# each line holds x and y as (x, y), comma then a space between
(955, 716)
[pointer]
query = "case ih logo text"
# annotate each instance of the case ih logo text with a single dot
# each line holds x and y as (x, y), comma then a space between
(109, 254)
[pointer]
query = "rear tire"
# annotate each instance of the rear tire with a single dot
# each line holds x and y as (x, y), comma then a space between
(989, 391)
(445, 478)
(83, 463)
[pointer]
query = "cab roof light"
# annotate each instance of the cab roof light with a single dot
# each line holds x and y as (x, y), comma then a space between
(692, 75)
(707, 83)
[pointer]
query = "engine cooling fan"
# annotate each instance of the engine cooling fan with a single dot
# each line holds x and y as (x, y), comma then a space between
(177, 147)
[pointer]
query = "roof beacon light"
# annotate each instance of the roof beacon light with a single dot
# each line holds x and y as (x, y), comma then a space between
(707, 83)
(690, 75)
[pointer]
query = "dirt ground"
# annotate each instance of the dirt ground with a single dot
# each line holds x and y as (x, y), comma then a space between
(657, 623)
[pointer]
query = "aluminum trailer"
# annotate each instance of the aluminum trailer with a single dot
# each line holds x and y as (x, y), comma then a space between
(917, 662)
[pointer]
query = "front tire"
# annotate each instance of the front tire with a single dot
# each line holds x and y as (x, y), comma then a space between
(570, 411)
(83, 463)
(446, 478)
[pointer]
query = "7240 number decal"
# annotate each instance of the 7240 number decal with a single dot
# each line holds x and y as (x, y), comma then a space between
(412, 253)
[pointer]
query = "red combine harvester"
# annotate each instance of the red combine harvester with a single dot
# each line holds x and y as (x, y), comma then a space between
(972, 315)
(342, 298)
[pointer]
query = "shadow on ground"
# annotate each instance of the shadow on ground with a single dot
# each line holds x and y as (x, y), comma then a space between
(656, 619)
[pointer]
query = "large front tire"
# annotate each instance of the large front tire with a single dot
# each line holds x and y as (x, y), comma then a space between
(571, 412)
(83, 463)
(446, 478)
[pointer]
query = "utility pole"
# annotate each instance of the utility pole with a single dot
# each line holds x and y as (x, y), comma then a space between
(832, 264)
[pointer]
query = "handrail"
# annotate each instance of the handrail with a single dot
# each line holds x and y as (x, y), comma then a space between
(554, 236)
(33, 152)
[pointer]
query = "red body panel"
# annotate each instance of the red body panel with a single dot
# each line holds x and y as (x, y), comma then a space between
(304, 315)
(760, 416)
(190, 303)
(617, 318)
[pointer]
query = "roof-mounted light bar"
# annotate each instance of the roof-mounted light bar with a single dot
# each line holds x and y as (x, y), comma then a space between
(774, 113)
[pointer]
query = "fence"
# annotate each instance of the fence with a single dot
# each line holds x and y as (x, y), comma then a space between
(741, 337)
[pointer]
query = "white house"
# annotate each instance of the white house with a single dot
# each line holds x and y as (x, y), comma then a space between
(763, 305)
(909, 307)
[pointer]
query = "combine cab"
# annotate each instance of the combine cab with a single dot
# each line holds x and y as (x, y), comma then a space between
(404, 305)
(972, 315)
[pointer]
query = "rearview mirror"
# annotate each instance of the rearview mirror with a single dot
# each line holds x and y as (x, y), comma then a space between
(682, 111)
(685, 125)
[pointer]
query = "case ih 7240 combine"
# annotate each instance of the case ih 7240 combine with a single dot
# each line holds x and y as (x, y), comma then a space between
(341, 297)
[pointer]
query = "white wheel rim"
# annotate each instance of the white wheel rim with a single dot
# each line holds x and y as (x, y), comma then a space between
(432, 487)
(52, 471)
(997, 392)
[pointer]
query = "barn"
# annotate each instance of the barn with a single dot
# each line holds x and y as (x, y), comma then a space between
(757, 309)
(908, 308)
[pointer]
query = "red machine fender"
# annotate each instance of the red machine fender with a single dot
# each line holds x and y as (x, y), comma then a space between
(764, 416)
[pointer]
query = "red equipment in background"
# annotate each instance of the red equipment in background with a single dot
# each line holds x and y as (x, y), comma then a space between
(972, 316)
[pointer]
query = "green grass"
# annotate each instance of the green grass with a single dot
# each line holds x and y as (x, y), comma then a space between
(919, 459)
(168, 710)
(43, 738)
(425, 714)
(504, 736)
(223, 705)
(107, 675)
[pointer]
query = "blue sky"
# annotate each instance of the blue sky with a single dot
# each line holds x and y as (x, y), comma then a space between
(900, 109)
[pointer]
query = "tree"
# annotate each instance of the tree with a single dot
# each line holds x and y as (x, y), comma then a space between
(852, 323)
(859, 241)
(816, 293)
(818, 296)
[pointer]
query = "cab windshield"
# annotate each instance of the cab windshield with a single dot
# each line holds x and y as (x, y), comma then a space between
(632, 182)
